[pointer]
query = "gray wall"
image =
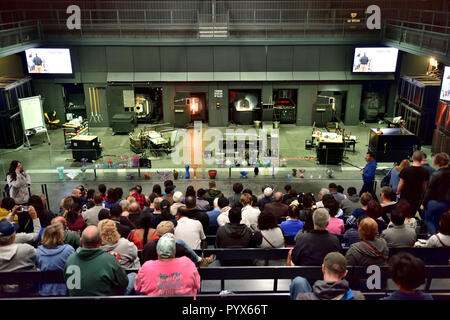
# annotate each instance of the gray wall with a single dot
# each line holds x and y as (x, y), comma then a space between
(207, 68)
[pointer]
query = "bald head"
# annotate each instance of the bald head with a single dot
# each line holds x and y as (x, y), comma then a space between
(278, 196)
(91, 238)
(134, 208)
(61, 220)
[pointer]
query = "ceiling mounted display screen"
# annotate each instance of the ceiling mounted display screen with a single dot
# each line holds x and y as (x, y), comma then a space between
(47, 60)
(375, 60)
(445, 88)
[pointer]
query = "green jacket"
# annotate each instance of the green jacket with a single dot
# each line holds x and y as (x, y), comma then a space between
(211, 194)
(92, 272)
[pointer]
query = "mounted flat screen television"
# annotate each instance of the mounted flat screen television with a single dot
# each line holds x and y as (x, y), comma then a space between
(445, 87)
(376, 60)
(48, 61)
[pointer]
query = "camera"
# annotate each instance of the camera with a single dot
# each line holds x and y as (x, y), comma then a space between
(24, 208)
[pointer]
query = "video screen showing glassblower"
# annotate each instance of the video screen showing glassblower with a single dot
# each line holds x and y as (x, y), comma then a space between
(445, 88)
(375, 59)
(45, 60)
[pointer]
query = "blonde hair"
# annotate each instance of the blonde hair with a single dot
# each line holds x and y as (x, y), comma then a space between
(368, 229)
(66, 203)
(53, 236)
(108, 231)
(404, 164)
(125, 205)
(246, 199)
(157, 203)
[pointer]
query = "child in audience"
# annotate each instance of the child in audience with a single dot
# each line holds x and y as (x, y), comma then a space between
(408, 273)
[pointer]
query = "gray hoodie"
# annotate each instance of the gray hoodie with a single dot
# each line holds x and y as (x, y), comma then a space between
(360, 255)
(17, 257)
(126, 252)
(350, 204)
(325, 290)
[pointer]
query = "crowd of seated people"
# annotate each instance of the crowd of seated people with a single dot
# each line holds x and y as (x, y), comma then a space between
(100, 232)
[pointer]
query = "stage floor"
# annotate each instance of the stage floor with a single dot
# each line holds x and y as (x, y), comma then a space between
(41, 163)
(43, 159)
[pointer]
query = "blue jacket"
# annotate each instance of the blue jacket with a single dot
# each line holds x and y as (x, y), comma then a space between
(369, 171)
(53, 259)
(213, 214)
(291, 227)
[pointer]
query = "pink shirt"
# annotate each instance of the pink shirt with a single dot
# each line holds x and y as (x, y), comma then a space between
(336, 226)
(176, 277)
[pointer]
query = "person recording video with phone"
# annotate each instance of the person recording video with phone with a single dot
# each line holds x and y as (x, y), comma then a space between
(18, 182)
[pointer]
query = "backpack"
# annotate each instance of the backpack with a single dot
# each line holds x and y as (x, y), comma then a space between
(386, 179)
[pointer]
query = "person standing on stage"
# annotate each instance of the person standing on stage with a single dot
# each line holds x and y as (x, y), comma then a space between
(19, 182)
(368, 175)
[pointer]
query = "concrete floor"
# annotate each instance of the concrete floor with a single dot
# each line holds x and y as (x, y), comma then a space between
(41, 163)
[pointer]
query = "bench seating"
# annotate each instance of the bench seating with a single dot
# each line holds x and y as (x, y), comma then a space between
(430, 256)
(249, 273)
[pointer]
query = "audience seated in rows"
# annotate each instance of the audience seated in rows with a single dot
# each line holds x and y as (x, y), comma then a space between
(127, 227)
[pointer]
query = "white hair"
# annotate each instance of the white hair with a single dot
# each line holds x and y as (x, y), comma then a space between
(324, 191)
(321, 217)
(177, 196)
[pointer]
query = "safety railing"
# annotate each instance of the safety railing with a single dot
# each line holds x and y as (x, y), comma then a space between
(161, 21)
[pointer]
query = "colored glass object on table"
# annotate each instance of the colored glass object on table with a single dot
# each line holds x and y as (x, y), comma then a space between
(187, 172)
(60, 172)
